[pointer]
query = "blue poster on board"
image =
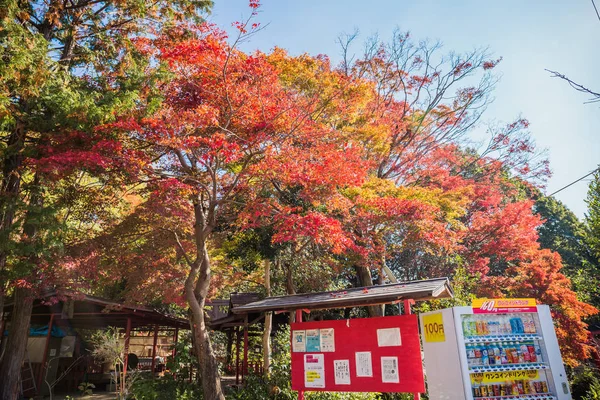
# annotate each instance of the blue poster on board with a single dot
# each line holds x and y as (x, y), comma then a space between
(313, 340)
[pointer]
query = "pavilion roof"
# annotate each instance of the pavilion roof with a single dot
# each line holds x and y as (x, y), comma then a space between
(79, 310)
(429, 289)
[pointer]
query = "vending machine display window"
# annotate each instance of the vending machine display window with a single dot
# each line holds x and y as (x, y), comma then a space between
(498, 356)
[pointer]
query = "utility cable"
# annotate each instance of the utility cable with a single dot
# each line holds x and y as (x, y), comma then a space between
(595, 8)
(574, 182)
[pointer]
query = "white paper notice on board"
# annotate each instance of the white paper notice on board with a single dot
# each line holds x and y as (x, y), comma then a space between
(299, 341)
(342, 372)
(388, 337)
(364, 367)
(389, 370)
(327, 340)
(314, 371)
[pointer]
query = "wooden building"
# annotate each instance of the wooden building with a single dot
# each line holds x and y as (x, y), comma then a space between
(64, 320)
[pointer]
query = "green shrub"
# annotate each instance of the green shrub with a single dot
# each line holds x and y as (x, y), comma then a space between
(593, 393)
(585, 384)
(165, 389)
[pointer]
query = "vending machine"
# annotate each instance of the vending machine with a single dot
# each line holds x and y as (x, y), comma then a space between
(497, 349)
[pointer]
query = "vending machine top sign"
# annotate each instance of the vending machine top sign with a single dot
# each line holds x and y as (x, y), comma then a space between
(497, 306)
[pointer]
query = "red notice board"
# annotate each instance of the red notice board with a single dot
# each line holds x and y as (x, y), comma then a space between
(358, 355)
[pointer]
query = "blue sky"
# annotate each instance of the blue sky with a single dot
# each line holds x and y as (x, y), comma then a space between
(530, 35)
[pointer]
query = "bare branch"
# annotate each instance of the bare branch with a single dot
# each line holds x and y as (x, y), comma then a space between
(580, 88)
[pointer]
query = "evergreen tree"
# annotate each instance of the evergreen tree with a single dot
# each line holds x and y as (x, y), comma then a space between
(65, 67)
(592, 218)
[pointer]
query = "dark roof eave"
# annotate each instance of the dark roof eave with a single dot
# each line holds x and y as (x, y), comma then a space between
(438, 288)
(147, 315)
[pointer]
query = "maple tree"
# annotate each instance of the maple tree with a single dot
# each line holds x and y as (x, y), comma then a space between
(431, 204)
(413, 121)
(538, 275)
(228, 124)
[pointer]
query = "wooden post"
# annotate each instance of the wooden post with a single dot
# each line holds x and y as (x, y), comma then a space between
(153, 365)
(245, 369)
(174, 350)
(175, 338)
(40, 377)
(237, 356)
(229, 347)
(408, 311)
(299, 319)
(407, 304)
(126, 351)
(268, 327)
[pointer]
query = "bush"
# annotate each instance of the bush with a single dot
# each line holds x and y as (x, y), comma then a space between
(165, 389)
(585, 384)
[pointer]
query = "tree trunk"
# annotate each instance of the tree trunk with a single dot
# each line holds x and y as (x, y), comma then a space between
(9, 192)
(366, 279)
(11, 185)
(196, 291)
(10, 370)
(209, 372)
(266, 339)
(2, 299)
(289, 279)
(16, 345)
(289, 283)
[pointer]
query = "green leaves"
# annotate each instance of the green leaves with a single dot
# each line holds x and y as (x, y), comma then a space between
(592, 218)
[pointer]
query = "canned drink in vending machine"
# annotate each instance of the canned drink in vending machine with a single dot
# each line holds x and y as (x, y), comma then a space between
(471, 352)
(532, 356)
(484, 391)
(496, 389)
(538, 352)
(544, 387)
(514, 388)
(472, 328)
(520, 387)
(476, 391)
(532, 387)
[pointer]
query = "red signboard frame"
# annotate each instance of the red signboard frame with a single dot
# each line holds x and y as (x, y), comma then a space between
(360, 335)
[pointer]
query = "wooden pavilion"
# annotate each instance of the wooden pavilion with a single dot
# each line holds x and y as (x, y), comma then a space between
(60, 317)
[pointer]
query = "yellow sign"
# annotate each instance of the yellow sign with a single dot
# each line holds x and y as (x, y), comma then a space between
(503, 305)
(312, 376)
(503, 376)
(433, 325)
